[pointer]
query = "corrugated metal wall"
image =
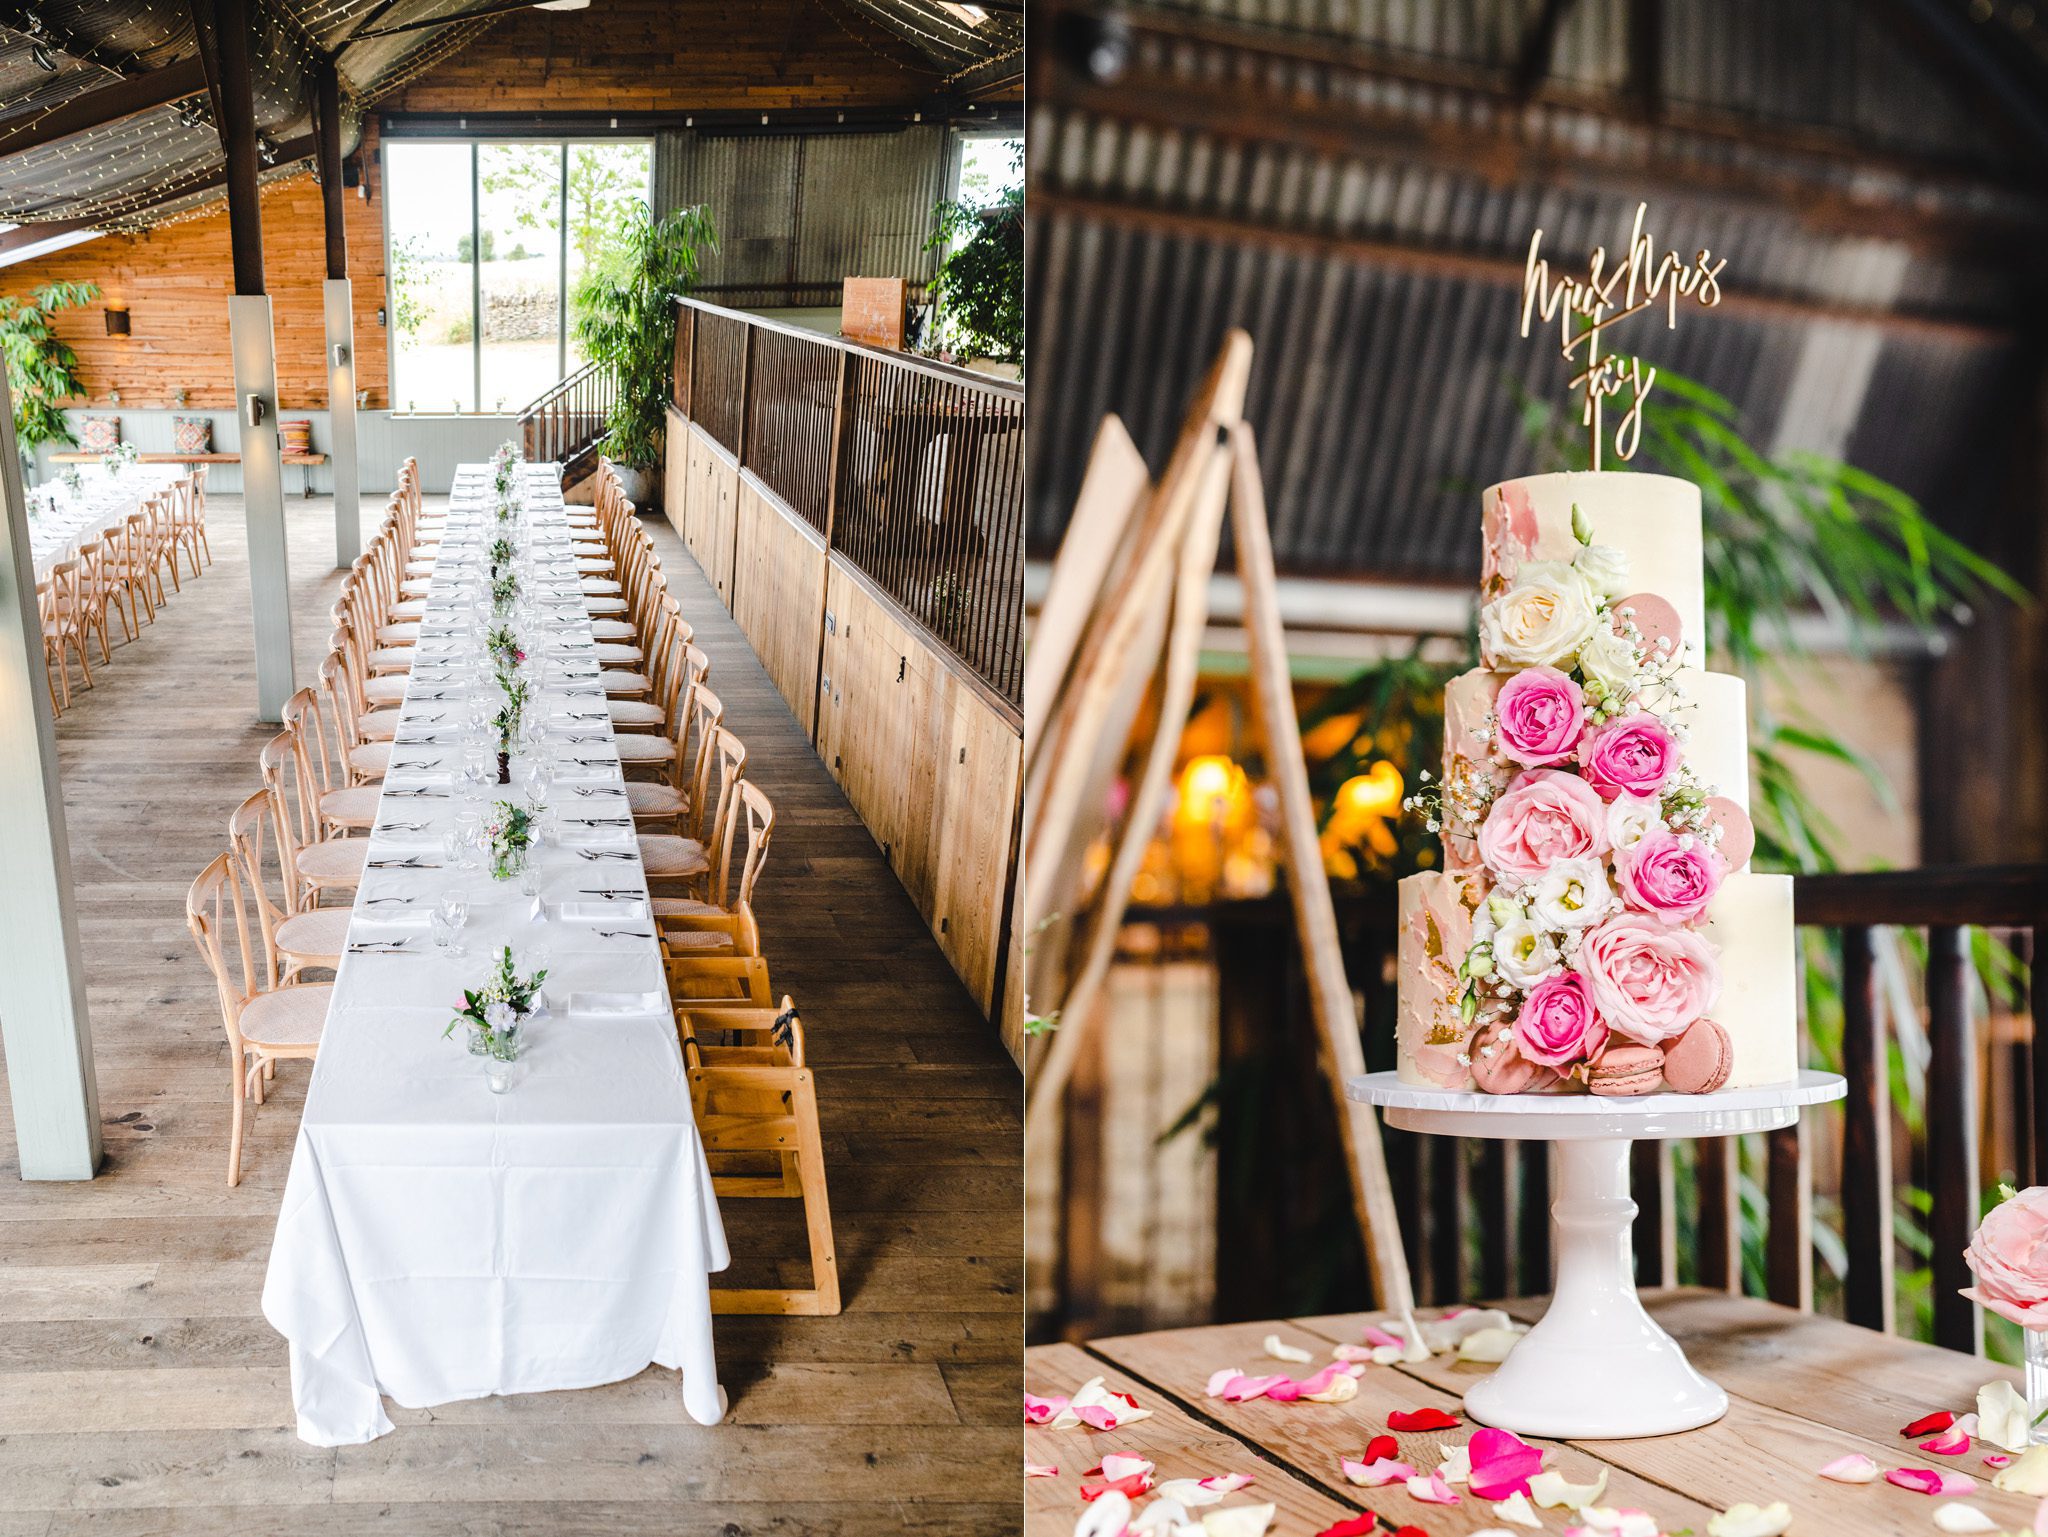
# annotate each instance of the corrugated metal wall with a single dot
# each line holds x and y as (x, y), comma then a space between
(796, 214)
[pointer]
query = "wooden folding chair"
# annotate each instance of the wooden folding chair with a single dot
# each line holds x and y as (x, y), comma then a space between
(755, 1099)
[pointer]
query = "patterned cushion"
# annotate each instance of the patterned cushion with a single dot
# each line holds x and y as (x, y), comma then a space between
(192, 434)
(295, 437)
(99, 434)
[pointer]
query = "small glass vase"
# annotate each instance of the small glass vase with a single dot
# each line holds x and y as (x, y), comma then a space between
(2037, 1384)
(508, 864)
(500, 1054)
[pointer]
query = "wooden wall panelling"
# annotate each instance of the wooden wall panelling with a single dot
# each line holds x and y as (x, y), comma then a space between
(721, 536)
(779, 594)
(174, 279)
(676, 459)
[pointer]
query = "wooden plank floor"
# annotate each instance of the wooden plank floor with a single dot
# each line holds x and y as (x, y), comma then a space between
(141, 1390)
(1802, 1391)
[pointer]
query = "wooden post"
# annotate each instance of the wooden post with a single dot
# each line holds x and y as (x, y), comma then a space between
(42, 983)
(1866, 1137)
(1337, 1027)
(338, 299)
(225, 35)
(1955, 1179)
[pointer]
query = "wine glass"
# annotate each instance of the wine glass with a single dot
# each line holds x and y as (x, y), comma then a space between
(451, 912)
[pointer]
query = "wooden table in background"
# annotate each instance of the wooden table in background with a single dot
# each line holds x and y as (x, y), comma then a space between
(1802, 1390)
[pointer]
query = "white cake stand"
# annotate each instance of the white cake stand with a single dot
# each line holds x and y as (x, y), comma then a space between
(1596, 1367)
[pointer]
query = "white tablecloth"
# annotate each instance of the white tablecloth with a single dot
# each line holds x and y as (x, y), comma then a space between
(438, 1241)
(54, 533)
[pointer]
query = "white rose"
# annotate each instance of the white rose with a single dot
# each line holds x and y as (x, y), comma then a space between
(1522, 953)
(1571, 894)
(1541, 621)
(1610, 661)
(1630, 818)
(1605, 569)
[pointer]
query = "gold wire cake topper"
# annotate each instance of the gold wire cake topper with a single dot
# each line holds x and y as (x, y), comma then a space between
(1585, 307)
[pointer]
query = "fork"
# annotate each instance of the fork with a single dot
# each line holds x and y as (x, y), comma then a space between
(604, 853)
(622, 934)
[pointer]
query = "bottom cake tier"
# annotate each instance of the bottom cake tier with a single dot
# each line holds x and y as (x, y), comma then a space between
(1749, 923)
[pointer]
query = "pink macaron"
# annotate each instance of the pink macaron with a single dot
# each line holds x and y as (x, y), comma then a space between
(1498, 1066)
(1699, 1061)
(1624, 1068)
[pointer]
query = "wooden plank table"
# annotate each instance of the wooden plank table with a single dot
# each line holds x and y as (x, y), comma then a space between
(1802, 1391)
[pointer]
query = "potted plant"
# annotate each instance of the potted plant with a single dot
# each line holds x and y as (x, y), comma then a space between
(977, 293)
(626, 322)
(41, 370)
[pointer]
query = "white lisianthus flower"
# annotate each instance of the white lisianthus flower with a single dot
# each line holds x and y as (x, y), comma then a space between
(1605, 569)
(499, 1016)
(1542, 620)
(1610, 661)
(1571, 894)
(1522, 953)
(1631, 818)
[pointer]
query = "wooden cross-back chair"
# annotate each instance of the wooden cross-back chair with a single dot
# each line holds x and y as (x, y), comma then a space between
(296, 937)
(314, 864)
(717, 922)
(756, 1104)
(266, 1020)
(671, 860)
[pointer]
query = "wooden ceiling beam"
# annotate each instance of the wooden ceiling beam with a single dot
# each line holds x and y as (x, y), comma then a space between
(110, 103)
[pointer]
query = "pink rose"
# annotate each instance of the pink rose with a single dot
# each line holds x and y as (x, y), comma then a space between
(1663, 877)
(1543, 816)
(1630, 756)
(1539, 717)
(1558, 1023)
(2009, 1257)
(1649, 980)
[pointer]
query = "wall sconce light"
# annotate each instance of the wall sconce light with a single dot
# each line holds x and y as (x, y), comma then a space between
(380, 314)
(117, 320)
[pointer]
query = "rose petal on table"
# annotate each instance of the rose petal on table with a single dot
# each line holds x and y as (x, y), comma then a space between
(1236, 1388)
(1851, 1468)
(1551, 1488)
(1341, 1390)
(1165, 1518)
(1956, 1517)
(1040, 1470)
(1927, 1424)
(1365, 1524)
(1352, 1353)
(1038, 1411)
(1431, 1489)
(1456, 1466)
(1195, 1492)
(1421, 1419)
(1132, 1485)
(1377, 1473)
(1490, 1345)
(1502, 1463)
(1116, 1465)
(1516, 1508)
(1746, 1520)
(1605, 1521)
(1382, 1446)
(2002, 1417)
(1997, 1460)
(1280, 1350)
(1950, 1443)
(1375, 1335)
(1238, 1521)
(1932, 1480)
(1387, 1355)
(1106, 1517)
(2027, 1475)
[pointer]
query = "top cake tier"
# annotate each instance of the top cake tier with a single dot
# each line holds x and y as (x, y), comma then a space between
(1653, 520)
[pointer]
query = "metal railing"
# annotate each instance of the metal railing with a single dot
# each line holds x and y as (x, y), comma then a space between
(912, 470)
(567, 423)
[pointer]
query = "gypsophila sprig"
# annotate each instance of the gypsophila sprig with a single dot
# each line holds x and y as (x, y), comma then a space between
(496, 1011)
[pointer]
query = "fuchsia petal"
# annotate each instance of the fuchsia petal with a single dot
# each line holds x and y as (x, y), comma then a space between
(1285, 1390)
(1421, 1419)
(1375, 1335)
(1997, 1460)
(1038, 1410)
(1097, 1416)
(1930, 1481)
(1950, 1443)
(1131, 1486)
(1377, 1473)
(1502, 1463)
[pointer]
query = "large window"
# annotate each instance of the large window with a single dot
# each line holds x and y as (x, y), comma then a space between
(488, 244)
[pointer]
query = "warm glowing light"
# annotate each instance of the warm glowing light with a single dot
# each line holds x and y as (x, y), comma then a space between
(1212, 789)
(1375, 793)
(973, 15)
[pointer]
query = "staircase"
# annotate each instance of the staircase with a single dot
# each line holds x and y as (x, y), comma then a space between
(567, 423)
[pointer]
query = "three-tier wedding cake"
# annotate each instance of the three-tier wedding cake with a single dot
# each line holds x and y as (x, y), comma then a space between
(1595, 925)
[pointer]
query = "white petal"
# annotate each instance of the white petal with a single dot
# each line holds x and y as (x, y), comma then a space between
(1239, 1521)
(1957, 1517)
(1516, 1508)
(1488, 1344)
(1188, 1492)
(1456, 1467)
(1279, 1350)
(1106, 1516)
(1116, 1465)
(2027, 1475)
(1165, 1518)
(2002, 1417)
(1751, 1521)
(1550, 1488)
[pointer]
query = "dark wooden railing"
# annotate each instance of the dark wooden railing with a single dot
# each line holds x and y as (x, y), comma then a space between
(912, 470)
(1476, 1213)
(567, 423)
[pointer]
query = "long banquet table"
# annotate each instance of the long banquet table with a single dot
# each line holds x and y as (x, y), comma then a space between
(439, 1241)
(102, 500)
